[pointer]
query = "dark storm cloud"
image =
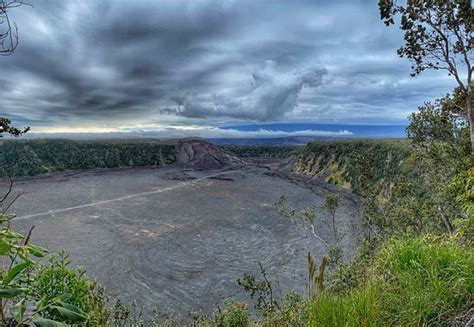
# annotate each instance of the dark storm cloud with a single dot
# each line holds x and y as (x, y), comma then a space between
(120, 64)
(271, 96)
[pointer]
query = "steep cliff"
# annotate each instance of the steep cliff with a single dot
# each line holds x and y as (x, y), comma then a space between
(357, 165)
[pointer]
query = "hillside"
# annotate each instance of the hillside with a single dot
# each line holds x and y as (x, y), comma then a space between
(36, 157)
(357, 165)
(198, 154)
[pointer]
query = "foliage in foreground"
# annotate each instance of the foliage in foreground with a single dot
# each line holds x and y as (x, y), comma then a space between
(21, 302)
(413, 281)
(410, 281)
(422, 281)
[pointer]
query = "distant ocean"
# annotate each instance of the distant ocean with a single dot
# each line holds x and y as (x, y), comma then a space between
(355, 131)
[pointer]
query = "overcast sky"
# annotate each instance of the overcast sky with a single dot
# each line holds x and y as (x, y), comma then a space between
(108, 66)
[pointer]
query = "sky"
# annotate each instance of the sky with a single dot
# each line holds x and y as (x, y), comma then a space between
(182, 68)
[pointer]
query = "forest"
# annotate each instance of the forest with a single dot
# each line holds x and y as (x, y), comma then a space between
(34, 157)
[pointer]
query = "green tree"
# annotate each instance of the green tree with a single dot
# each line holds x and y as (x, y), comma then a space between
(7, 128)
(439, 36)
(441, 122)
(440, 136)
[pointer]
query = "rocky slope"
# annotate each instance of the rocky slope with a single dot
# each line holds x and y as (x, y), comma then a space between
(197, 154)
(357, 165)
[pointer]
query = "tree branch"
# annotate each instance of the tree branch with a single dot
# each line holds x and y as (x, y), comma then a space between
(447, 59)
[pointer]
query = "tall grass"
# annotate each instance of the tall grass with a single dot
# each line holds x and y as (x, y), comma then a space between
(414, 282)
(357, 308)
(426, 280)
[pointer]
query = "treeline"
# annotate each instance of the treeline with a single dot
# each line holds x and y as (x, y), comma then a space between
(262, 151)
(34, 157)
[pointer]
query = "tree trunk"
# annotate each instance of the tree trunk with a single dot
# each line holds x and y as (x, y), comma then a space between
(446, 221)
(470, 112)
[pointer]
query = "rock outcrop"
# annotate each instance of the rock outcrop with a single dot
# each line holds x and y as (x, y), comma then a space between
(198, 154)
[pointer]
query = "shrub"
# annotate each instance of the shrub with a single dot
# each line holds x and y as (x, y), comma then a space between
(292, 314)
(58, 280)
(233, 315)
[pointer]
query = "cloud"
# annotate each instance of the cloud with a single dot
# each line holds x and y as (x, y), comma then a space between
(203, 131)
(272, 96)
(100, 64)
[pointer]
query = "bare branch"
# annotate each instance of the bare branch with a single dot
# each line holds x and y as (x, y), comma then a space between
(12, 202)
(9, 32)
(5, 203)
(449, 60)
(9, 188)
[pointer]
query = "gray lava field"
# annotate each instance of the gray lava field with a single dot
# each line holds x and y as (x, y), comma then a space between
(178, 239)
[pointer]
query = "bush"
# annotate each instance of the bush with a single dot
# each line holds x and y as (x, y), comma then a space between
(233, 315)
(293, 313)
(58, 280)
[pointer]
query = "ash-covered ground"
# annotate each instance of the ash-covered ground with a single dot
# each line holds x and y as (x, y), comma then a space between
(179, 239)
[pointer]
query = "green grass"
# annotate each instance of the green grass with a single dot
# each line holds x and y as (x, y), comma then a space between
(414, 282)
(357, 308)
(426, 281)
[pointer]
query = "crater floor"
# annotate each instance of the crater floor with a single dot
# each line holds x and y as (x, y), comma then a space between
(178, 240)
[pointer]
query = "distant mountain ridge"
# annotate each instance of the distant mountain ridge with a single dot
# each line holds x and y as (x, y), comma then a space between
(275, 141)
(318, 131)
(244, 134)
(291, 134)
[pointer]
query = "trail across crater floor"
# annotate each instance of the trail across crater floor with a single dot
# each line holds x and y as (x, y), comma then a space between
(123, 198)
